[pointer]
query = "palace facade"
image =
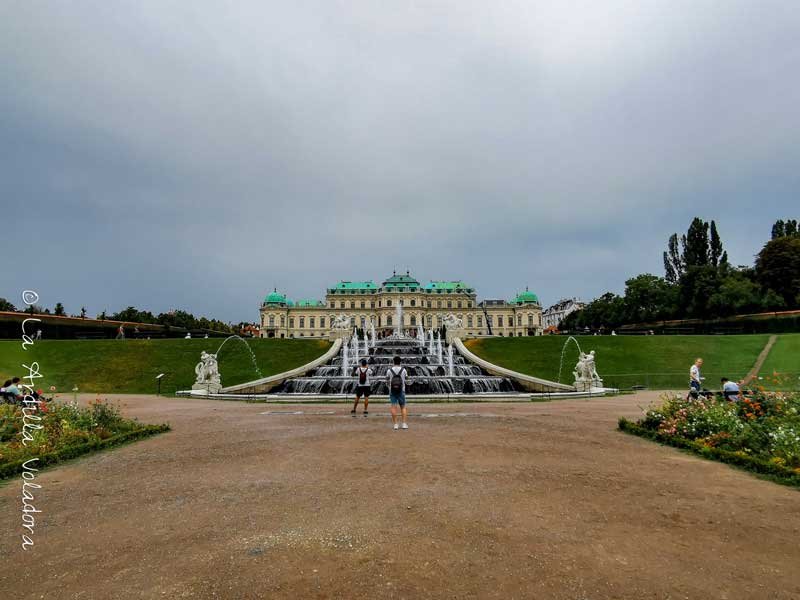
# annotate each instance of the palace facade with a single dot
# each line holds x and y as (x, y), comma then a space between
(428, 305)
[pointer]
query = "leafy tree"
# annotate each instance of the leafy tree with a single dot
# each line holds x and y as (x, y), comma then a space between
(131, 314)
(102, 316)
(696, 245)
(778, 268)
(673, 261)
(736, 294)
(778, 229)
(718, 255)
(648, 297)
(7, 306)
(59, 310)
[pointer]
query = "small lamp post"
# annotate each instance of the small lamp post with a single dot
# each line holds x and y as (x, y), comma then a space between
(158, 379)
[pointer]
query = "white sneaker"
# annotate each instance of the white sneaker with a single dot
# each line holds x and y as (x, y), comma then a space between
(396, 426)
(405, 425)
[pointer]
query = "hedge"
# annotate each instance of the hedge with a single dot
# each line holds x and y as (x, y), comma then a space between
(69, 452)
(778, 473)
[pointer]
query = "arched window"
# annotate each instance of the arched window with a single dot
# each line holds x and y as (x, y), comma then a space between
(388, 303)
(413, 302)
(469, 321)
(389, 320)
(413, 318)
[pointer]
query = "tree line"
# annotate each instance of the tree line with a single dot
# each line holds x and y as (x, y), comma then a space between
(699, 282)
(173, 318)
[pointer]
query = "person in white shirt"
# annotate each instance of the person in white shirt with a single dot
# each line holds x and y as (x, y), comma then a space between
(363, 385)
(730, 390)
(396, 378)
(695, 378)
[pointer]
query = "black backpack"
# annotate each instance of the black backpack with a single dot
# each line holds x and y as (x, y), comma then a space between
(397, 381)
(362, 376)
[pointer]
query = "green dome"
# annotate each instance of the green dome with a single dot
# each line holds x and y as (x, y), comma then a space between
(401, 281)
(526, 297)
(275, 297)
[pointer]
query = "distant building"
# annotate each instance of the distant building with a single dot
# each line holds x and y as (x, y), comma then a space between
(552, 316)
(364, 302)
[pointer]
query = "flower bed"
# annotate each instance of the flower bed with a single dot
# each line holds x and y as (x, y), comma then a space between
(67, 431)
(761, 433)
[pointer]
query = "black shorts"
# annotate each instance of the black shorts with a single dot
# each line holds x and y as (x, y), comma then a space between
(362, 390)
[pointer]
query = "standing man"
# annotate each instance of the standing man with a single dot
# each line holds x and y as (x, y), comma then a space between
(121, 332)
(396, 378)
(363, 373)
(695, 378)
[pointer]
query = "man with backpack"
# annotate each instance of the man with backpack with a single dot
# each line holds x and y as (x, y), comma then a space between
(396, 377)
(363, 373)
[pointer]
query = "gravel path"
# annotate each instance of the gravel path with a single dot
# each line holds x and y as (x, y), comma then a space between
(534, 500)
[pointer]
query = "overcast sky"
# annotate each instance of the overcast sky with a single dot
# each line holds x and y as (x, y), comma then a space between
(194, 154)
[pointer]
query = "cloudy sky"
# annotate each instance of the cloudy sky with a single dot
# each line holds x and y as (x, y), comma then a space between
(195, 154)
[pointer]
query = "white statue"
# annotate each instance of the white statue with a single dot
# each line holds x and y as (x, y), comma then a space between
(585, 372)
(207, 370)
(341, 322)
(453, 322)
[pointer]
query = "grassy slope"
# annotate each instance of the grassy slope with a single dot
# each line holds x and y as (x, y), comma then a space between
(658, 362)
(111, 366)
(783, 360)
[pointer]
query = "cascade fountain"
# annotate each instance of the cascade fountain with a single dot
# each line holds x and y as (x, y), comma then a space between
(426, 374)
(430, 346)
(372, 333)
(450, 360)
(439, 347)
(398, 315)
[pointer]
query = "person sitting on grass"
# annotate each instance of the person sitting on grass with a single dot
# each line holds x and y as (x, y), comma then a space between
(11, 391)
(363, 373)
(730, 390)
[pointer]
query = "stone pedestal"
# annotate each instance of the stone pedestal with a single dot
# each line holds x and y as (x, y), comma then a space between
(340, 334)
(586, 386)
(211, 388)
(450, 334)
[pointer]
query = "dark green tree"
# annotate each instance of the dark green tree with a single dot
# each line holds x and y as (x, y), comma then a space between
(778, 229)
(715, 246)
(83, 312)
(59, 310)
(673, 261)
(778, 268)
(7, 306)
(648, 298)
(696, 251)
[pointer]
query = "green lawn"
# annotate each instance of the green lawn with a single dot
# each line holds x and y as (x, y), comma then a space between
(657, 362)
(782, 367)
(130, 366)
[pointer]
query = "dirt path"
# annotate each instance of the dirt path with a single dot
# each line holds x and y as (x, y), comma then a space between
(760, 360)
(538, 500)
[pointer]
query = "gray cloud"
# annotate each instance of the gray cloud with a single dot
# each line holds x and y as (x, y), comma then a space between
(195, 154)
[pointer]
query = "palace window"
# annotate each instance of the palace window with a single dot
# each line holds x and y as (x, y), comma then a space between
(429, 303)
(302, 322)
(322, 322)
(283, 320)
(519, 320)
(459, 304)
(272, 320)
(438, 304)
(413, 319)
(430, 321)
(341, 304)
(363, 304)
(352, 305)
(388, 303)
(413, 302)
(480, 321)
(500, 321)
(469, 321)
(449, 304)
(291, 322)
(389, 320)
(372, 304)
(530, 320)
(311, 322)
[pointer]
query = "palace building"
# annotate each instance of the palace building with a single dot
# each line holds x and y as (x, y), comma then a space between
(428, 305)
